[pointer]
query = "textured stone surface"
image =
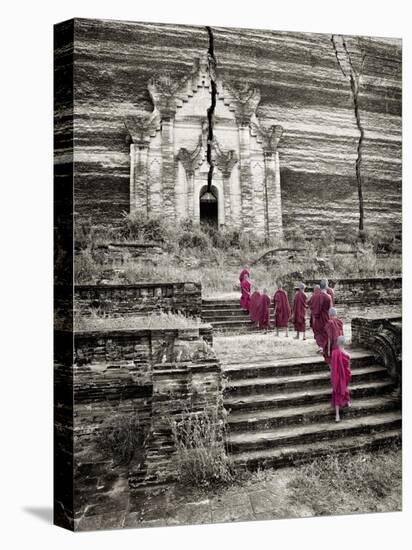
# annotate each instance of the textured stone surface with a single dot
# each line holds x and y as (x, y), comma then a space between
(140, 299)
(384, 337)
(302, 89)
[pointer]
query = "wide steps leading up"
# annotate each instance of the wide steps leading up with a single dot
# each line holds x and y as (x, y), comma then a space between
(311, 433)
(279, 409)
(251, 386)
(287, 455)
(311, 395)
(305, 414)
(227, 316)
(292, 365)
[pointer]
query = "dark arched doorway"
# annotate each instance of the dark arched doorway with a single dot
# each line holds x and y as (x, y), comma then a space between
(208, 207)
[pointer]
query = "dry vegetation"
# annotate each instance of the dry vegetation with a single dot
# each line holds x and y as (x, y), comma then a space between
(214, 257)
(345, 484)
(266, 346)
(200, 449)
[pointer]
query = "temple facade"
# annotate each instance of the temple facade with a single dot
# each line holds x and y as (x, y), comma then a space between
(168, 155)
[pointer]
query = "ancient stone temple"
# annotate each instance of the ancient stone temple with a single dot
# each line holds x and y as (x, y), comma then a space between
(168, 155)
(142, 107)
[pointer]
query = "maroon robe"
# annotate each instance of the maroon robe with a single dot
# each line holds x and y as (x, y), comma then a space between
(320, 310)
(340, 376)
(310, 305)
(245, 298)
(282, 308)
(332, 295)
(299, 311)
(264, 312)
(254, 306)
(334, 329)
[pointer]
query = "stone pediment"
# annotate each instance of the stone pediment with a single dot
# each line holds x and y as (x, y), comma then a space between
(170, 95)
(202, 127)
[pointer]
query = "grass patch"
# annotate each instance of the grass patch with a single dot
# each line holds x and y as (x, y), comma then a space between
(193, 252)
(200, 451)
(340, 484)
(256, 347)
(98, 321)
(123, 439)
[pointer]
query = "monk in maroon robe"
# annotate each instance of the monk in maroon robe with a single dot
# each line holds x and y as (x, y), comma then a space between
(282, 309)
(334, 329)
(340, 376)
(316, 290)
(299, 311)
(245, 271)
(264, 311)
(330, 292)
(254, 305)
(245, 290)
(320, 311)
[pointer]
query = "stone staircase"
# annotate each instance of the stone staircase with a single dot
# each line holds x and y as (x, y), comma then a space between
(279, 412)
(226, 316)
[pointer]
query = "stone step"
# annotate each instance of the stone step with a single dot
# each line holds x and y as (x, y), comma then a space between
(300, 453)
(306, 414)
(260, 385)
(316, 432)
(232, 304)
(292, 365)
(234, 327)
(225, 318)
(223, 311)
(233, 324)
(308, 396)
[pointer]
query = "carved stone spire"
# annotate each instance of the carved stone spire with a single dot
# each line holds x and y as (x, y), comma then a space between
(246, 99)
(163, 92)
(142, 128)
(225, 161)
(270, 137)
(192, 159)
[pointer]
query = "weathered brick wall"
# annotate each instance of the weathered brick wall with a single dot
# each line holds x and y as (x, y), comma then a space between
(381, 296)
(117, 254)
(376, 290)
(154, 374)
(365, 291)
(384, 337)
(140, 299)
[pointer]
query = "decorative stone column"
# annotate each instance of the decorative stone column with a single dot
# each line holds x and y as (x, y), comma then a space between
(190, 161)
(246, 100)
(273, 207)
(225, 162)
(163, 91)
(141, 129)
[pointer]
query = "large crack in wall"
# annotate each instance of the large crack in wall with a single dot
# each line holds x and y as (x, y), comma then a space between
(354, 81)
(211, 110)
(355, 85)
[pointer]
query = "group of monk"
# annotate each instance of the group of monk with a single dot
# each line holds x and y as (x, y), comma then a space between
(327, 328)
